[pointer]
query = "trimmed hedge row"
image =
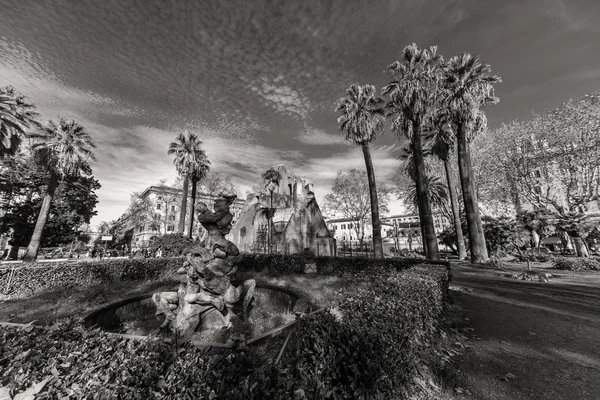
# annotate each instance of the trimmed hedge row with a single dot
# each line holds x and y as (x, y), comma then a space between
(273, 264)
(26, 280)
(576, 264)
(372, 350)
(341, 265)
(276, 264)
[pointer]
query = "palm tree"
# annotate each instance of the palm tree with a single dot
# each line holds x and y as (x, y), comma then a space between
(435, 188)
(183, 148)
(16, 116)
(442, 146)
(468, 85)
(413, 96)
(271, 178)
(362, 119)
(198, 170)
(66, 149)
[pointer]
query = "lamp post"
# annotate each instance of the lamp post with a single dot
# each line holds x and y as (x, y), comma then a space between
(271, 188)
(396, 234)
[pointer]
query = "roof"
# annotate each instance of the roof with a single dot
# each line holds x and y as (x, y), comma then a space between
(342, 220)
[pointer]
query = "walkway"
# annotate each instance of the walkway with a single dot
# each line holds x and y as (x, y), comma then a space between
(530, 340)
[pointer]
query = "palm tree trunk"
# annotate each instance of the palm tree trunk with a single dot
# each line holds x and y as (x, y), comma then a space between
(194, 186)
(377, 241)
(425, 216)
(477, 243)
(271, 224)
(580, 247)
(183, 211)
(460, 241)
(36, 238)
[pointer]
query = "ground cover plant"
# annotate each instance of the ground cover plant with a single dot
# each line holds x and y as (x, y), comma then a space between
(371, 312)
(576, 264)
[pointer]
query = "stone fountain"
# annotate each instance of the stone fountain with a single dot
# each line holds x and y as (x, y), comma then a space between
(206, 301)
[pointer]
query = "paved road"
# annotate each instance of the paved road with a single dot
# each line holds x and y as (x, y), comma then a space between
(530, 340)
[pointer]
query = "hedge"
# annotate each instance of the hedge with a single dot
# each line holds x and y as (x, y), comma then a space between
(385, 325)
(576, 264)
(24, 280)
(342, 265)
(273, 264)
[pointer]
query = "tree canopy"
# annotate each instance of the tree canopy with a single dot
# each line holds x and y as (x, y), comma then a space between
(23, 186)
(349, 198)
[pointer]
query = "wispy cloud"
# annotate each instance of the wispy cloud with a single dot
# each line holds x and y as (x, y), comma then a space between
(259, 82)
(318, 137)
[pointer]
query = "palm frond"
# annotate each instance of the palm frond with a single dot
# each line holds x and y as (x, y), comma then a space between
(16, 117)
(363, 114)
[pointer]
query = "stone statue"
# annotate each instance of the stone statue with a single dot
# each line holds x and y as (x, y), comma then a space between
(207, 299)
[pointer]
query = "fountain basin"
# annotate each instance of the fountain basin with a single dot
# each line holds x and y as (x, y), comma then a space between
(273, 307)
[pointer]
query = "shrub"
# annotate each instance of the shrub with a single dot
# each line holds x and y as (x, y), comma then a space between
(172, 245)
(576, 264)
(341, 265)
(374, 351)
(405, 253)
(273, 264)
(29, 279)
(387, 325)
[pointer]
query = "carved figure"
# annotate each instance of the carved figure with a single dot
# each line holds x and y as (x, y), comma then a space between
(207, 299)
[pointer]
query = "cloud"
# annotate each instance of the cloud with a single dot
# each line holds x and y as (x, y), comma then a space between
(259, 82)
(318, 137)
(283, 99)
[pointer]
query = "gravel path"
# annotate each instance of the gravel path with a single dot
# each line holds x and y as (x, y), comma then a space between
(529, 340)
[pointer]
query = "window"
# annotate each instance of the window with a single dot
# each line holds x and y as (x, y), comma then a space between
(349, 226)
(172, 208)
(160, 197)
(158, 206)
(171, 218)
(170, 228)
(537, 173)
(343, 226)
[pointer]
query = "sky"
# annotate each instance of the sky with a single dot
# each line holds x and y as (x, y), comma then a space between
(258, 80)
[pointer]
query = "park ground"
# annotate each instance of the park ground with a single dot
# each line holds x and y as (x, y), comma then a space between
(524, 340)
(528, 340)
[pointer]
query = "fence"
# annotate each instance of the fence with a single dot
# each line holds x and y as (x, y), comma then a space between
(343, 249)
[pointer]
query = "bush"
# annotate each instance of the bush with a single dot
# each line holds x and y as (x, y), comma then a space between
(33, 278)
(273, 264)
(374, 350)
(388, 323)
(172, 245)
(341, 265)
(533, 256)
(576, 264)
(405, 253)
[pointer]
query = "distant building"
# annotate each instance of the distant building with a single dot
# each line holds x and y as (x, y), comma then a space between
(161, 215)
(407, 225)
(348, 229)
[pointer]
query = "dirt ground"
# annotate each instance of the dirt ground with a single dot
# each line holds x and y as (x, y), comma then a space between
(529, 340)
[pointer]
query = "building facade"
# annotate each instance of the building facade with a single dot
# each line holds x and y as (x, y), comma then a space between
(159, 215)
(349, 229)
